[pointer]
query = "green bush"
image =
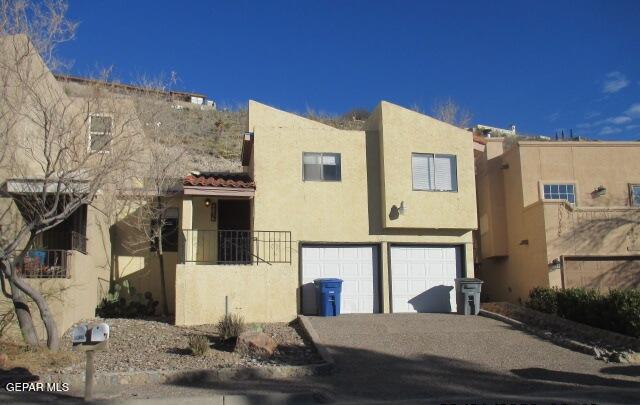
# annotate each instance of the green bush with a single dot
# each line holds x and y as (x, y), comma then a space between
(618, 310)
(230, 326)
(543, 300)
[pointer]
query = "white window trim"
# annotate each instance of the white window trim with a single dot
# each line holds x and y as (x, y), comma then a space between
(89, 133)
(434, 190)
(321, 155)
(541, 184)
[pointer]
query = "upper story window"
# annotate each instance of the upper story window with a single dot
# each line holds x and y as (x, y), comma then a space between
(634, 193)
(100, 130)
(565, 192)
(321, 166)
(433, 172)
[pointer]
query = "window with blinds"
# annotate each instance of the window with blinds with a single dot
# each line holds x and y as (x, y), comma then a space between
(433, 172)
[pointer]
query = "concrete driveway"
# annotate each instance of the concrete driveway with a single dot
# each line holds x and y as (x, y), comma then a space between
(416, 358)
(450, 357)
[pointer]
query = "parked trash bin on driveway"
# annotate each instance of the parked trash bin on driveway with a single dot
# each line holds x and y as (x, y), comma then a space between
(328, 292)
(468, 295)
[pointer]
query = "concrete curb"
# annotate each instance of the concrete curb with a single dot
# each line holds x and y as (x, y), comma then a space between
(564, 342)
(315, 339)
(191, 376)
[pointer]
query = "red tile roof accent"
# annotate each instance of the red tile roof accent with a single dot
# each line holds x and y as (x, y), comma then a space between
(231, 180)
(479, 139)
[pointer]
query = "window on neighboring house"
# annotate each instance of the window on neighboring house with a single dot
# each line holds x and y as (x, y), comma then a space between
(70, 234)
(560, 192)
(100, 127)
(321, 166)
(634, 192)
(432, 172)
(169, 232)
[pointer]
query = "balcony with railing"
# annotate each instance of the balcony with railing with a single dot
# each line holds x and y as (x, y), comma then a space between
(235, 247)
(44, 263)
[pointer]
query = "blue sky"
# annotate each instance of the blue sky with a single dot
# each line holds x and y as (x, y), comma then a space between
(543, 65)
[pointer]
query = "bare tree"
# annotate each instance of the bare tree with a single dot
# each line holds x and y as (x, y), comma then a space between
(450, 112)
(49, 166)
(165, 163)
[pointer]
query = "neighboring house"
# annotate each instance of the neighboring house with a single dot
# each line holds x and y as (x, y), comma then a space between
(390, 210)
(128, 89)
(70, 263)
(560, 214)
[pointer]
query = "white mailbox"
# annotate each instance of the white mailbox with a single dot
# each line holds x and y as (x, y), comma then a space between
(79, 334)
(100, 333)
(90, 334)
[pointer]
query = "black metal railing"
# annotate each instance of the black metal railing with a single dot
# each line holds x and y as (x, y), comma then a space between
(235, 246)
(78, 242)
(42, 263)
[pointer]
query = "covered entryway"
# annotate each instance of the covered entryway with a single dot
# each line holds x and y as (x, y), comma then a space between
(601, 272)
(356, 265)
(423, 278)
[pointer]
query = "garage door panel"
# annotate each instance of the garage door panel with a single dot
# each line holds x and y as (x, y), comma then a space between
(423, 278)
(355, 265)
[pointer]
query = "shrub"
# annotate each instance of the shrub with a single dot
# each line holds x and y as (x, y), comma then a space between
(543, 300)
(618, 310)
(115, 305)
(230, 326)
(199, 345)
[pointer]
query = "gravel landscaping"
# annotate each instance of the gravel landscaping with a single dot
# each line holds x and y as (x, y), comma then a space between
(141, 345)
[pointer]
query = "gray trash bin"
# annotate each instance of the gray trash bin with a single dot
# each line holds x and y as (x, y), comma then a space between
(468, 295)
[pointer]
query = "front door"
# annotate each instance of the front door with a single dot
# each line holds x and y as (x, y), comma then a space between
(234, 224)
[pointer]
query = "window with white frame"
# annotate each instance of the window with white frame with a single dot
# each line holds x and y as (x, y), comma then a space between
(321, 166)
(100, 132)
(432, 172)
(560, 191)
(634, 192)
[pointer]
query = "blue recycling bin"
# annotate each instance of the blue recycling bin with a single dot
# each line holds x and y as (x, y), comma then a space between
(328, 291)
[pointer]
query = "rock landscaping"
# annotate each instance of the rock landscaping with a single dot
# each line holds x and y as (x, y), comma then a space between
(143, 345)
(603, 344)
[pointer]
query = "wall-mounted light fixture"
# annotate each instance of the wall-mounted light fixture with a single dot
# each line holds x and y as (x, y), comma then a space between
(555, 265)
(600, 190)
(524, 242)
(402, 209)
(207, 202)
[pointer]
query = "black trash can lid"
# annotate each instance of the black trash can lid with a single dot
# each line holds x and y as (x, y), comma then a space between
(469, 280)
(327, 280)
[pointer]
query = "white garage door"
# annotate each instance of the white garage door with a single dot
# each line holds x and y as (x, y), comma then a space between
(423, 278)
(356, 265)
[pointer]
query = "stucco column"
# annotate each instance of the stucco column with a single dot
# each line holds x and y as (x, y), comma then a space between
(385, 270)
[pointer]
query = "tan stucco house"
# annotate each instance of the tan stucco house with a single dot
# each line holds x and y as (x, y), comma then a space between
(390, 210)
(559, 214)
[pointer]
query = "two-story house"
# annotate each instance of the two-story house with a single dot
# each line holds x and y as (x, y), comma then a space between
(558, 214)
(390, 210)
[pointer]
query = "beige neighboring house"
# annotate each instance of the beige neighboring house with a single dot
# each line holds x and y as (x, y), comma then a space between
(71, 263)
(558, 214)
(390, 210)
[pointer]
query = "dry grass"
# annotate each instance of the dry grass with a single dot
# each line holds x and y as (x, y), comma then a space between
(38, 359)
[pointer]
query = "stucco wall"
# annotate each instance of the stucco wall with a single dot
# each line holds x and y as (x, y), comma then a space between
(260, 293)
(405, 132)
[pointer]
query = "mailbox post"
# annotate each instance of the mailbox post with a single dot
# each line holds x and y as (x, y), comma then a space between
(89, 339)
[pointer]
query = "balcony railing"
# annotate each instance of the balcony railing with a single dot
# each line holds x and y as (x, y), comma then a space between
(44, 264)
(235, 247)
